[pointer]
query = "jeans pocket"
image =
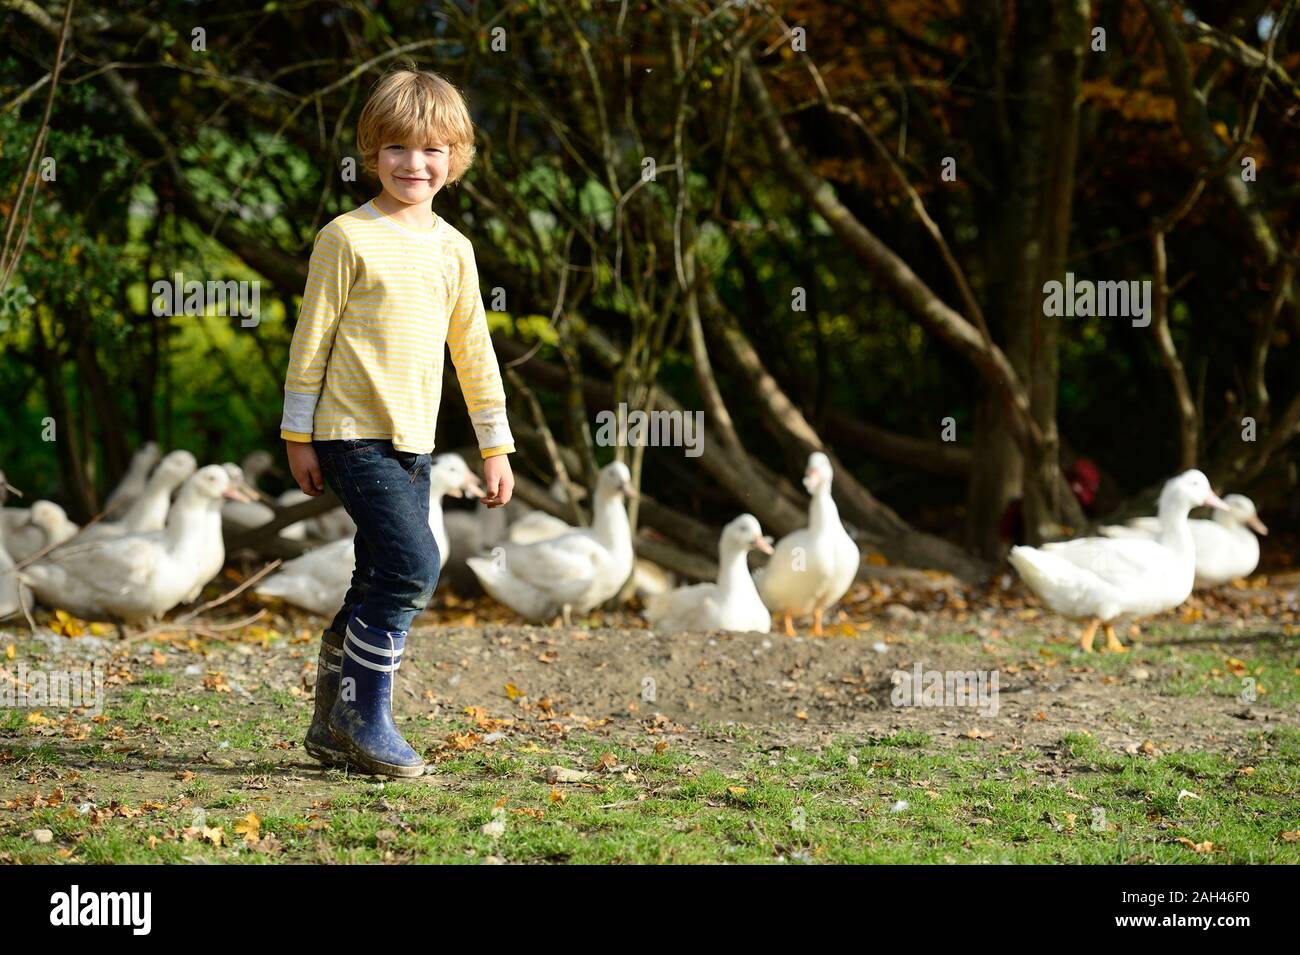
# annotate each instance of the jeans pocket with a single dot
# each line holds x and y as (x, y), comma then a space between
(419, 469)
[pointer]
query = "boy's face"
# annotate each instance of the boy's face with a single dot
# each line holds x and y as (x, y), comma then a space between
(413, 172)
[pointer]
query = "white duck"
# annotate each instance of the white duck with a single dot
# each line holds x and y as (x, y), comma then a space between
(1099, 579)
(813, 567)
(248, 514)
(319, 579)
(14, 594)
(148, 512)
(1225, 547)
(536, 525)
(577, 570)
(733, 602)
(31, 530)
(136, 576)
(449, 476)
(334, 524)
(132, 484)
(648, 578)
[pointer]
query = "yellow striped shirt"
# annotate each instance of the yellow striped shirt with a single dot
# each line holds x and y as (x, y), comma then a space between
(382, 306)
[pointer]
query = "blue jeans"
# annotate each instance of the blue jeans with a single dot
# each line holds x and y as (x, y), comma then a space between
(386, 492)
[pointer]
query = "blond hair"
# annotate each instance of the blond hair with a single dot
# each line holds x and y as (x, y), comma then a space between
(410, 104)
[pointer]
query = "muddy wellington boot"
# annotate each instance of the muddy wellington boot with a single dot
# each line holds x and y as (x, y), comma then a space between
(319, 744)
(362, 718)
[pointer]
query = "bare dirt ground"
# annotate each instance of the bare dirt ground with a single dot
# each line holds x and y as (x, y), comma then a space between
(792, 690)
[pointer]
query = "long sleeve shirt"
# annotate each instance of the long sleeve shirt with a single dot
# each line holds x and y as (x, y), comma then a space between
(383, 305)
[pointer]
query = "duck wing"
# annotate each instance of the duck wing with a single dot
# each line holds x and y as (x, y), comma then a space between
(563, 567)
(100, 573)
(1118, 562)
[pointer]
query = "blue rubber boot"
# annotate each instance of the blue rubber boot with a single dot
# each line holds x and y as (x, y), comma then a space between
(319, 744)
(362, 718)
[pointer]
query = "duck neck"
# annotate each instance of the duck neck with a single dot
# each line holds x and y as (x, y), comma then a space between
(733, 571)
(609, 523)
(156, 496)
(1174, 532)
(191, 521)
(823, 515)
(435, 510)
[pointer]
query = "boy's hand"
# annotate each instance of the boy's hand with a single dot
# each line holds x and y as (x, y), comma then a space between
(500, 480)
(305, 467)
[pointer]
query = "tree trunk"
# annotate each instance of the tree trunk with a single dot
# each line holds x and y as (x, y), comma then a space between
(1062, 27)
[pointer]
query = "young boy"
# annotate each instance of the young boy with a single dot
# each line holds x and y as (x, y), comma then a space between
(389, 284)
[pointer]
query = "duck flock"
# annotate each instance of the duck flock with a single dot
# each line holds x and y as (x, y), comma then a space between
(1148, 566)
(162, 538)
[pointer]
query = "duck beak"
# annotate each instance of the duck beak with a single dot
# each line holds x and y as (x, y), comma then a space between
(472, 487)
(10, 488)
(628, 490)
(1213, 500)
(238, 493)
(764, 544)
(1256, 525)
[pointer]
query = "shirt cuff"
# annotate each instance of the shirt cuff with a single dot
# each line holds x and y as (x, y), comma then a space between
(299, 413)
(491, 428)
(295, 436)
(493, 452)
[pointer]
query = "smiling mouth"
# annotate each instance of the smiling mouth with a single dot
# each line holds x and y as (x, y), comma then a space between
(410, 179)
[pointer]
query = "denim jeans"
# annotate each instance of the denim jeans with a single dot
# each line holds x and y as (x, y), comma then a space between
(386, 493)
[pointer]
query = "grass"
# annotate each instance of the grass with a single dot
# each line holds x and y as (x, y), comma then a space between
(172, 772)
(886, 800)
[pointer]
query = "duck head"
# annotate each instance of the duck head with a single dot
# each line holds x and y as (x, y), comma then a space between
(173, 469)
(449, 474)
(1190, 489)
(240, 484)
(615, 478)
(1241, 510)
(258, 463)
(146, 457)
(818, 473)
(745, 532)
(213, 483)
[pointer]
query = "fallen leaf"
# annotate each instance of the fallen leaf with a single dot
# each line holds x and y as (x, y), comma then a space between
(250, 827)
(67, 625)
